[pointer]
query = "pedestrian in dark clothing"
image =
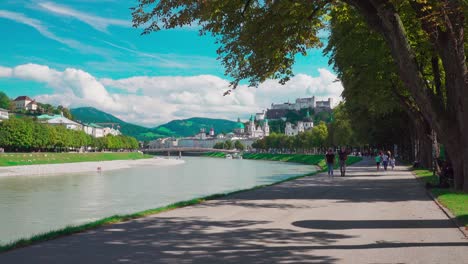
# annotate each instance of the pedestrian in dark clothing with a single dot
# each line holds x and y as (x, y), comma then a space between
(343, 156)
(330, 157)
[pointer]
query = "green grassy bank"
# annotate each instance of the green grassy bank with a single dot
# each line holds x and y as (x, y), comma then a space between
(318, 160)
(214, 154)
(15, 159)
(456, 202)
(120, 218)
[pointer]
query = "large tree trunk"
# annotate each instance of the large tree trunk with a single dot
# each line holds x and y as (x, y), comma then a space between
(449, 122)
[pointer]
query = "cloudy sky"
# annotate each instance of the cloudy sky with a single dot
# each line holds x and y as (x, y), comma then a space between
(82, 53)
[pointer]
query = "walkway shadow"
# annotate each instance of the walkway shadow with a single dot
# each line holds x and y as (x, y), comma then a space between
(342, 189)
(373, 224)
(195, 240)
(181, 240)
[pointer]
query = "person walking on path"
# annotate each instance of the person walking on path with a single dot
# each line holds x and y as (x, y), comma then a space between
(392, 162)
(378, 159)
(330, 157)
(343, 156)
(385, 158)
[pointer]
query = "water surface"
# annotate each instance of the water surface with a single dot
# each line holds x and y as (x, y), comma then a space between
(34, 204)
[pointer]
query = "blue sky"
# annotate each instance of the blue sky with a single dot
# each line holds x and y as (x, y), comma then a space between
(85, 53)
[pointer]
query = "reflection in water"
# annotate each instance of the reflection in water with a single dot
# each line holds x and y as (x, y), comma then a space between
(34, 204)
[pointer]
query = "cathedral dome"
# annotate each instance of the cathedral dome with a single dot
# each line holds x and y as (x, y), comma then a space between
(240, 125)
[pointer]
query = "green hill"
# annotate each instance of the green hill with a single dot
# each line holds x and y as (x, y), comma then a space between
(176, 128)
(93, 115)
(191, 126)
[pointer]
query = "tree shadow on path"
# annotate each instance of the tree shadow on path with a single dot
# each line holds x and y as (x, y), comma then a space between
(373, 224)
(180, 240)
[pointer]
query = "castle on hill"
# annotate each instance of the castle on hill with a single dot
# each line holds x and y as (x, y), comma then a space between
(279, 111)
(303, 103)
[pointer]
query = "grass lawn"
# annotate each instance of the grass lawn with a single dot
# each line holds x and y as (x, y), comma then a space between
(456, 202)
(14, 159)
(299, 158)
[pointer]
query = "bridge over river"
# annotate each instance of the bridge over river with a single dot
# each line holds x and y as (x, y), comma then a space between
(186, 150)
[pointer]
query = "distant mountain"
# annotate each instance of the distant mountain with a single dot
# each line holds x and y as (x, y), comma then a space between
(93, 115)
(176, 128)
(191, 126)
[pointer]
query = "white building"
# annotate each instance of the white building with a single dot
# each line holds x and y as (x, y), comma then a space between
(110, 131)
(25, 103)
(192, 142)
(293, 130)
(259, 131)
(201, 134)
(63, 121)
(301, 126)
(163, 143)
(3, 114)
(239, 129)
(94, 130)
(59, 120)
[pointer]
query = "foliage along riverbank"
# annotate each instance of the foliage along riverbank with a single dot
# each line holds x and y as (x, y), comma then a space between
(69, 230)
(25, 134)
(16, 159)
(456, 202)
(214, 154)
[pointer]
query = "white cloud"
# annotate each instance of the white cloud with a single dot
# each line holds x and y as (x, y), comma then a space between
(99, 23)
(5, 72)
(71, 86)
(150, 100)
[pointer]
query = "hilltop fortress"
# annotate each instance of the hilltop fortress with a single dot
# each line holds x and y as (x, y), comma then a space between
(279, 111)
(303, 103)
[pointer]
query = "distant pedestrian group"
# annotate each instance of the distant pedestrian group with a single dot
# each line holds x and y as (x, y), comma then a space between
(385, 158)
(342, 157)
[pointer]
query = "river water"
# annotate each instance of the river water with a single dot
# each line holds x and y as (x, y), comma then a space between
(33, 204)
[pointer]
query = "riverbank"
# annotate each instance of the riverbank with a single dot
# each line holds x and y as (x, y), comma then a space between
(455, 202)
(317, 160)
(19, 159)
(121, 218)
(82, 167)
(313, 219)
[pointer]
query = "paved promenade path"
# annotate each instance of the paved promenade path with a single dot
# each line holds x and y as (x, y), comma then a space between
(366, 217)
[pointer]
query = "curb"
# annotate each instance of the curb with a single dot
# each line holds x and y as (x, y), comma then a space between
(446, 211)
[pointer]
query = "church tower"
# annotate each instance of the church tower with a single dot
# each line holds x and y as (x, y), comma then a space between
(308, 122)
(251, 127)
(266, 128)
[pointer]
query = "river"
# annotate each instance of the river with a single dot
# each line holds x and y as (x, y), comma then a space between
(33, 204)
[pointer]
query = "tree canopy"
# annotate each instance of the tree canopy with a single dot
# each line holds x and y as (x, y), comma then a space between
(23, 134)
(4, 101)
(259, 40)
